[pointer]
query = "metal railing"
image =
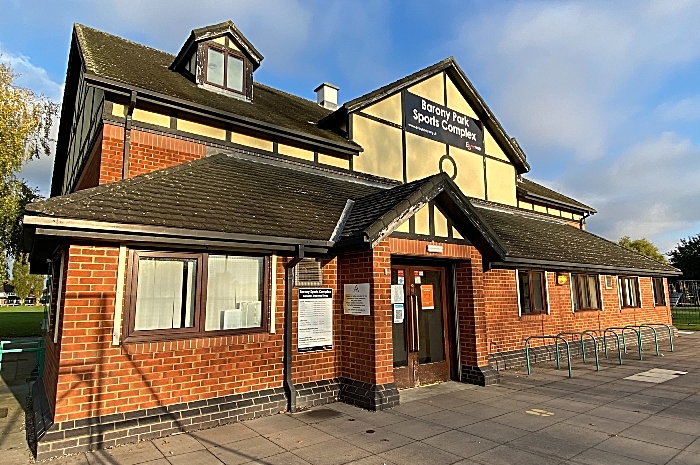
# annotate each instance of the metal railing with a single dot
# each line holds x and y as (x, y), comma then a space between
(38, 348)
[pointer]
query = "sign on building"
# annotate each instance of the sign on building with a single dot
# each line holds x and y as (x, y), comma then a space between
(426, 118)
(315, 320)
(356, 299)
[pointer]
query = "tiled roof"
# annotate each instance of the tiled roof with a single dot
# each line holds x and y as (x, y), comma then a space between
(527, 188)
(533, 236)
(135, 65)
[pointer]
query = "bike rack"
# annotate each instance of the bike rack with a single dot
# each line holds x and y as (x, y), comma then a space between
(668, 327)
(39, 349)
(556, 349)
(639, 338)
(605, 342)
(582, 334)
(656, 338)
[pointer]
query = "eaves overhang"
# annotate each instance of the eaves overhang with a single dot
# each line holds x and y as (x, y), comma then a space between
(143, 94)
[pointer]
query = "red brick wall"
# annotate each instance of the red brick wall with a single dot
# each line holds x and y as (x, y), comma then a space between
(323, 364)
(366, 341)
(147, 152)
(96, 378)
(507, 331)
(52, 351)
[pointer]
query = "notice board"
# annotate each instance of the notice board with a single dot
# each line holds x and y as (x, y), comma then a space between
(315, 319)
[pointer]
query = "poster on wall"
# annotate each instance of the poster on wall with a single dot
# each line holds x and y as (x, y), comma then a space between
(315, 320)
(398, 313)
(426, 297)
(437, 122)
(356, 299)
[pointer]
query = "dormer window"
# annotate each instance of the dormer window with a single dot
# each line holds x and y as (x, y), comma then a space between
(220, 59)
(225, 69)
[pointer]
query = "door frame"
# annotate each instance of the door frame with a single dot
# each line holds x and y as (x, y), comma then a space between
(449, 340)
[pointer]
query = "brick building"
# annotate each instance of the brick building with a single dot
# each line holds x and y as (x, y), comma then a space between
(221, 250)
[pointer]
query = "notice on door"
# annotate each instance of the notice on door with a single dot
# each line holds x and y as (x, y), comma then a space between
(398, 313)
(356, 299)
(397, 293)
(315, 320)
(426, 297)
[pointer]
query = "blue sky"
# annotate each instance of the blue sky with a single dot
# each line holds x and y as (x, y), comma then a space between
(604, 97)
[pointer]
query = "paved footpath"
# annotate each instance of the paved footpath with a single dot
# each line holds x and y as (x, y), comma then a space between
(594, 418)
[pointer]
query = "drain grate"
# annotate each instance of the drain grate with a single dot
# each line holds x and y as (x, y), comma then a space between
(322, 414)
(3, 412)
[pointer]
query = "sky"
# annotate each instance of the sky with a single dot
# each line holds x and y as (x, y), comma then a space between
(603, 97)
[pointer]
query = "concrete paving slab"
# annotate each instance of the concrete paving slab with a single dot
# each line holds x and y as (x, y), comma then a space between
(450, 419)
(460, 443)
(372, 460)
(685, 458)
(507, 455)
(334, 452)
(273, 423)
(417, 429)
(639, 450)
(177, 444)
(285, 458)
(200, 457)
(343, 426)
(419, 454)
(131, 454)
(379, 441)
(659, 436)
(493, 431)
(247, 450)
(601, 457)
(298, 437)
(613, 413)
(605, 425)
(225, 434)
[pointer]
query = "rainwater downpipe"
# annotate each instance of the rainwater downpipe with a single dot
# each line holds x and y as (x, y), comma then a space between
(289, 390)
(582, 221)
(127, 134)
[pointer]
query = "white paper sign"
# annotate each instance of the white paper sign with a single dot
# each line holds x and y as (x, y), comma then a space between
(315, 329)
(356, 299)
(398, 313)
(397, 293)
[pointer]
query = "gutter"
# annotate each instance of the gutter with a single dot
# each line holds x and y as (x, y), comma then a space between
(203, 110)
(511, 263)
(289, 390)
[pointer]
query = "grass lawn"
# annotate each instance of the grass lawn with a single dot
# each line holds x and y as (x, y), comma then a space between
(687, 318)
(22, 321)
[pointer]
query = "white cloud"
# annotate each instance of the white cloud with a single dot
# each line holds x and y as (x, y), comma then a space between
(568, 75)
(687, 110)
(31, 76)
(650, 191)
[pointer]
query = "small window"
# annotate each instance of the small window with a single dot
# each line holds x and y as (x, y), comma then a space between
(629, 291)
(177, 295)
(225, 69)
(659, 292)
(585, 291)
(533, 298)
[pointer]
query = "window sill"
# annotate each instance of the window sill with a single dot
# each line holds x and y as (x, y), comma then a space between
(171, 345)
(145, 339)
(532, 316)
(587, 311)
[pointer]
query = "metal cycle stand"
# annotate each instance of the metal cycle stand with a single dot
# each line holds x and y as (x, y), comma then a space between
(583, 346)
(656, 338)
(639, 338)
(668, 327)
(556, 349)
(605, 342)
(39, 349)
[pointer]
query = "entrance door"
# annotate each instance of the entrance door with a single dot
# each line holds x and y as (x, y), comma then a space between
(419, 315)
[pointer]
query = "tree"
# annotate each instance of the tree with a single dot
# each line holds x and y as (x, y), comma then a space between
(25, 125)
(686, 257)
(21, 277)
(642, 246)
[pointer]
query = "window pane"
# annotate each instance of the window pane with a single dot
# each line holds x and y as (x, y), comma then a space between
(165, 293)
(537, 300)
(583, 284)
(215, 66)
(593, 291)
(234, 292)
(234, 74)
(575, 293)
(524, 292)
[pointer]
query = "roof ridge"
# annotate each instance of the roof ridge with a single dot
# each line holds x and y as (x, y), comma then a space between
(83, 26)
(259, 84)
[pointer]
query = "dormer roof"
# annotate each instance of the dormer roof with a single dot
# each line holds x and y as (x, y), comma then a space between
(225, 29)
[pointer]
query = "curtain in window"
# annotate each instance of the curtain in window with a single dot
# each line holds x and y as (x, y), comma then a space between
(162, 302)
(234, 292)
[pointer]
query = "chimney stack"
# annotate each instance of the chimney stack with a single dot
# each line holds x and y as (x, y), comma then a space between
(327, 96)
